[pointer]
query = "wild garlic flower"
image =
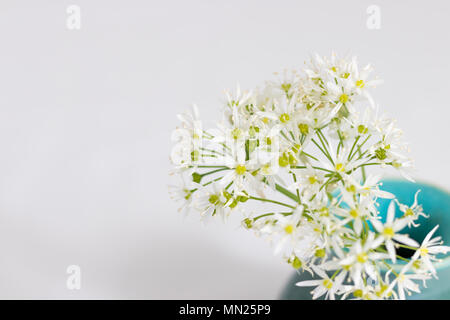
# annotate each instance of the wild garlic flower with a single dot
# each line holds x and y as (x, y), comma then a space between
(326, 285)
(424, 257)
(389, 232)
(300, 146)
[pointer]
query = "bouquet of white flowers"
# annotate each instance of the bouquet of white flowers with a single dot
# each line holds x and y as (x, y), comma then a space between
(301, 145)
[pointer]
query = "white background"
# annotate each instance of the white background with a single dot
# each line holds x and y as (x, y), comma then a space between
(86, 117)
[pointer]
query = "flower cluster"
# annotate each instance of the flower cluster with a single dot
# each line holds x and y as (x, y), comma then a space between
(301, 145)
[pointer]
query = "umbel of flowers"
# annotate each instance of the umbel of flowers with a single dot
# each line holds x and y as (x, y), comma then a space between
(301, 146)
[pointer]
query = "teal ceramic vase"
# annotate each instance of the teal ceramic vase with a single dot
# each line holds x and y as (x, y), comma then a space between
(436, 203)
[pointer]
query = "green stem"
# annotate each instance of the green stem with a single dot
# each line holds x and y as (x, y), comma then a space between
(323, 136)
(271, 214)
(341, 143)
(318, 132)
(210, 167)
(405, 246)
(389, 267)
(209, 182)
(353, 147)
(360, 146)
(323, 151)
(295, 181)
(214, 171)
(318, 168)
(286, 192)
(272, 201)
(399, 257)
(308, 155)
(284, 135)
(335, 274)
(326, 182)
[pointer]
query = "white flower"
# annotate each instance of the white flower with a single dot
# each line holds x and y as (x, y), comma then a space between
(325, 285)
(288, 228)
(281, 111)
(361, 259)
(370, 187)
(212, 201)
(314, 117)
(309, 180)
(183, 193)
(428, 249)
(359, 211)
(239, 98)
(240, 174)
(413, 212)
(388, 232)
(405, 282)
(341, 164)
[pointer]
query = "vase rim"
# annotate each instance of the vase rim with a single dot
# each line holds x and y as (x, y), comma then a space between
(418, 182)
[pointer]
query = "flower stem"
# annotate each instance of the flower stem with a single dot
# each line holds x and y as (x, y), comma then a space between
(323, 151)
(271, 214)
(214, 171)
(353, 147)
(286, 192)
(272, 201)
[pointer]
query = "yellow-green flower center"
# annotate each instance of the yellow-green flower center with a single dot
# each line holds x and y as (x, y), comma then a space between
(266, 169)
(248, 223)
(297, 264)
(358, 293)
(417, 264)
(289, 229)
(312, 179)
(360, 83)
(340, 167)
(362, 257)
(286, 87)
(396, 164)
(187, 194)
(423, 252)
(343, 98)
(354, 213)
(325, 212)
(388, 232)
(240, 169)
(362, 129)
(285, 118)
(283, 161)
(292, 160)
(304, 128)
(214, 199)
(236, 133)
(380, 153)
(296, 148)
(320, 253)
(327, 283)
